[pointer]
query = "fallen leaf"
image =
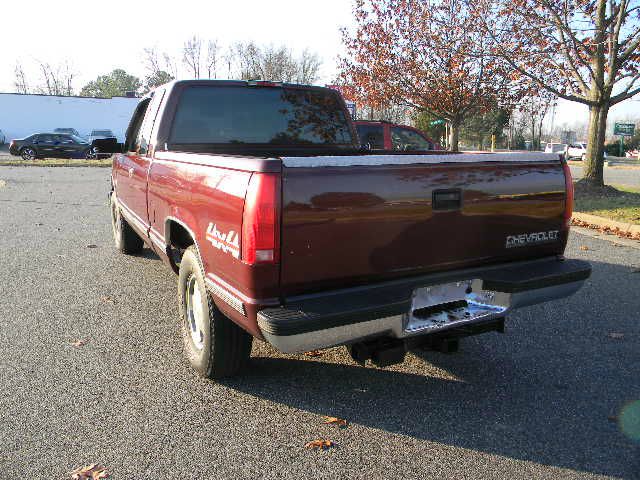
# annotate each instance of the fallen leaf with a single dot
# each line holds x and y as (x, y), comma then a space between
(314, 353)
(107, 299)
(340, 422)
(90, 472)
(91, 245)
(319, 444)
(615, 335)
(79, 343)
(584, 247)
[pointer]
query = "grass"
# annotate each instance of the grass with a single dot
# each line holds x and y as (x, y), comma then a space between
(56, 162)
(617, 202)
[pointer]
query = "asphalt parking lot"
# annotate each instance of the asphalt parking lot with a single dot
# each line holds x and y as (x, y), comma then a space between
(540, 401)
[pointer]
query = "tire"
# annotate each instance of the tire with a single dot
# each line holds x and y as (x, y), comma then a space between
(91, 154)
(126, 239)
(28, 154)
(215, 346)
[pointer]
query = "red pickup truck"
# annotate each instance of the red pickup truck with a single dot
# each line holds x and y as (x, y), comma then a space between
(381, 135)
(280, 227)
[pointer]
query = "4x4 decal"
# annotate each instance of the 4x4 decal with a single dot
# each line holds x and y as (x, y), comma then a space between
(227, 242)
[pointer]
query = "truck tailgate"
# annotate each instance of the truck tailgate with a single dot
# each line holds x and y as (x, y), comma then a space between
(360, 219)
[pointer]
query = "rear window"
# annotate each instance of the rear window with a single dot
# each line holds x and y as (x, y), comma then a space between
(259, 115)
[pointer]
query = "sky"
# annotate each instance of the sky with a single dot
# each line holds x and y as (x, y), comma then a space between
(95, 42)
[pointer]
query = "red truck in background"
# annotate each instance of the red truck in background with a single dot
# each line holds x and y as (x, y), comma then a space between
(381, 135)
(281, 227)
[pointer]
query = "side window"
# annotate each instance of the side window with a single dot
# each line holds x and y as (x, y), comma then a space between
(65, 140)
(144, 136)
(371, 136)
(46, 139)
(134, 126)
(405, 139)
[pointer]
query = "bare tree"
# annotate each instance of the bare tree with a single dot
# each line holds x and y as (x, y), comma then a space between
(20, 81)
(534, 109)
(152, 60)
(56, 79)
(212, 58)
(192, 55)
(253, 61)
(308, 67)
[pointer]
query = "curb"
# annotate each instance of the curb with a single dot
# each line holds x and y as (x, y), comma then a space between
(607, 223)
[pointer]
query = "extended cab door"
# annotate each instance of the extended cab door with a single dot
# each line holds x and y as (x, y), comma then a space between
(134, 163)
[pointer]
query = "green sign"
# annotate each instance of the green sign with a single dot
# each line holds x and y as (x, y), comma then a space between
(437, 122)
(624, 129)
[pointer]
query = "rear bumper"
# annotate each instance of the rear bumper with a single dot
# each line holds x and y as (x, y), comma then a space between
(393, 308)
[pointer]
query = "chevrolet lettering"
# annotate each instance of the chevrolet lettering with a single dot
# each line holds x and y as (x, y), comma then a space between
(532, 238)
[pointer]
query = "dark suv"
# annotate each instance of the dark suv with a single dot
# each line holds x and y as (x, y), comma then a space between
(51, 145)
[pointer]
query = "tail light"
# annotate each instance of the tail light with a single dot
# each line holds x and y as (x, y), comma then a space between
(260, 220)
(568, 203)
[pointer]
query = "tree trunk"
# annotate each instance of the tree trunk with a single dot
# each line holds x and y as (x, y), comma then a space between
(454, 133)
(594, 158)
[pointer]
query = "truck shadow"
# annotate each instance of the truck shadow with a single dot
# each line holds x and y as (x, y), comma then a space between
(543, 392)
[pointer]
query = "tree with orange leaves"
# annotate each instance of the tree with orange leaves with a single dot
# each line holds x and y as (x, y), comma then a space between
(424, 54)
(585, 51)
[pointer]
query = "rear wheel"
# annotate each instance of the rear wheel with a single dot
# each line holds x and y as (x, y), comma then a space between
(28, 154)
(126, 239)
(91, 153)
(215, 346)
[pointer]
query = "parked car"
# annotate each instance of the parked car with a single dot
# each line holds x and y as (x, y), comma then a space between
(280, 227)
(391, 136)
(100, 134)
(555, 148)
(578, 150)
(51, 145)
(3, 139)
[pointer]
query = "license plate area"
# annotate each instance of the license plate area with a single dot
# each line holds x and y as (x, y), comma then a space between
(445, 305)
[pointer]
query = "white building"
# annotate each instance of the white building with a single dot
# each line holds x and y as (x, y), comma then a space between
(24, 114)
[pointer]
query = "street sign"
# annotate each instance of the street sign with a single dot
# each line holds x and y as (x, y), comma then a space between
(351, 106)
(624, 129)
(437, 122)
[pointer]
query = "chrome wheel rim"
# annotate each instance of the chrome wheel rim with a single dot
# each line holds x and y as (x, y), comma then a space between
(195, 313)
(28, 154)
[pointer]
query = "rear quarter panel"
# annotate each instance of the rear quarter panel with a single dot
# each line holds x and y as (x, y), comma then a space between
(204, 199)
